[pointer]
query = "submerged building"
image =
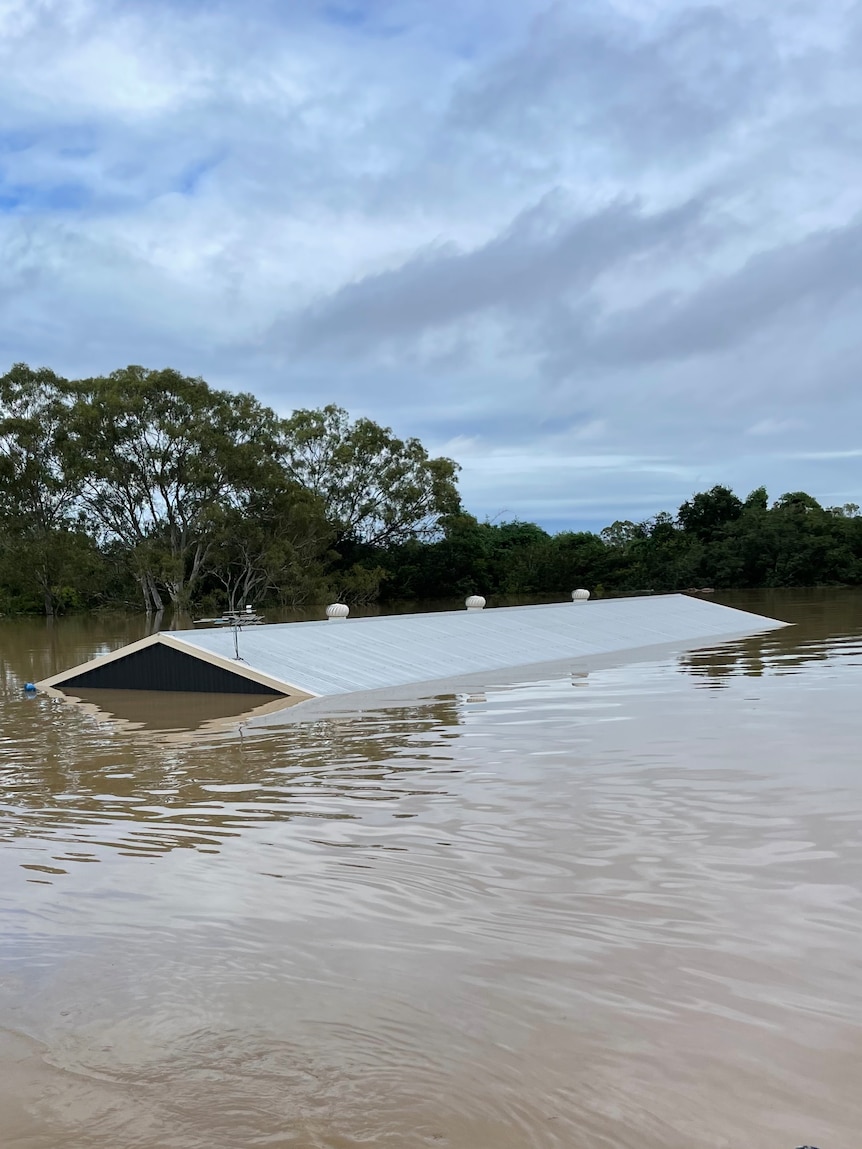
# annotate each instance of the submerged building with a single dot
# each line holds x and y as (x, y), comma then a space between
(340, 655)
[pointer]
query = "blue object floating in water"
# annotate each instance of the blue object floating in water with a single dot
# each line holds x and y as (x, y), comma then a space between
(30, 687)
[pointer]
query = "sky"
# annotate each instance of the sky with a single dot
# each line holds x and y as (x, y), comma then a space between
(603, 253)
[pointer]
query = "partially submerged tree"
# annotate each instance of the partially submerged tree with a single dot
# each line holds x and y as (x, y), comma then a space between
(186, 490)
(276, 540)
(158, 455)
(39, 524)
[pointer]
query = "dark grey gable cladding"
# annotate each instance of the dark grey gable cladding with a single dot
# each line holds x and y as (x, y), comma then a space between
(159, 667)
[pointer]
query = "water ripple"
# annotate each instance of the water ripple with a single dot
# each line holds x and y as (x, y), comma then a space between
(615, 910)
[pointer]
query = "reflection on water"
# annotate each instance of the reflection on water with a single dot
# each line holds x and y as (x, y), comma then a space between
(826, 625)
(614, 910)
(178, 712)
(101, 784)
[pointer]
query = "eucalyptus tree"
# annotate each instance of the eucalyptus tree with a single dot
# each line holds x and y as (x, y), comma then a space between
(376, 489)
(159, 457)
(276, 540)
(40, 528)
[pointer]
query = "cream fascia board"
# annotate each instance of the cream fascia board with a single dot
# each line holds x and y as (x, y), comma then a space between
(102, 660)
(55, 681)
(241, 668)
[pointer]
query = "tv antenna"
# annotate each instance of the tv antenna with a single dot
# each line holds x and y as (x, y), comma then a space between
(236, 626)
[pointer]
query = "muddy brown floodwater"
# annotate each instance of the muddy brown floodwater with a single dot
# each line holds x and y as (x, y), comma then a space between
(613, 911)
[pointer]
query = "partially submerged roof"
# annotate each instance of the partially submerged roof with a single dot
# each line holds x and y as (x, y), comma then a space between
(321, 659)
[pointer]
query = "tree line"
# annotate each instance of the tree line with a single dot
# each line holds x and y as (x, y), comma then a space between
(145, 489)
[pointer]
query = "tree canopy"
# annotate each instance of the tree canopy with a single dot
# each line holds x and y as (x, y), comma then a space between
(158, 456)
(40, 524)
(376, 489)
(191, 493)
(146, 488)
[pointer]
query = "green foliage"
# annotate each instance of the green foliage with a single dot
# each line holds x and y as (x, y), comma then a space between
(45, 554)
(145, 486)
(276, 541)
(152, 486)
(376, 489)
(717, 540)
(360, 584)
(156, 454)
(705, 514)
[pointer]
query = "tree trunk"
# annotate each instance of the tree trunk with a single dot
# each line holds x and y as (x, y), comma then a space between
(152, 598)
(177, 592)
(154, 594)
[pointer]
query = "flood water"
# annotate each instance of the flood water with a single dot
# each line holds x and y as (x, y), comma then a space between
(620, 910)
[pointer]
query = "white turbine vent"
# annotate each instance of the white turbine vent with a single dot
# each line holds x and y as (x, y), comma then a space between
(580, 595)
(337, 612)
(475, 602)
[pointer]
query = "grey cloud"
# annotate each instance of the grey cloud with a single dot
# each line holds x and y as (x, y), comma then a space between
(796, 283)
(541, 256)
(590, 75)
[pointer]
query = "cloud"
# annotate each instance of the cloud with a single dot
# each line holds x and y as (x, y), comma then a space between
(544, 234)
(773, 426)
(545, 254)
(627, 91)
(786, 285)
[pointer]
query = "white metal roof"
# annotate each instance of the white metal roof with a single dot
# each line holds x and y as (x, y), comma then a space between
(367, 654)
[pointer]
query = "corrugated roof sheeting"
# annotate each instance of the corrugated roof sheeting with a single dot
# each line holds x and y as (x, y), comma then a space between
(368, 654)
